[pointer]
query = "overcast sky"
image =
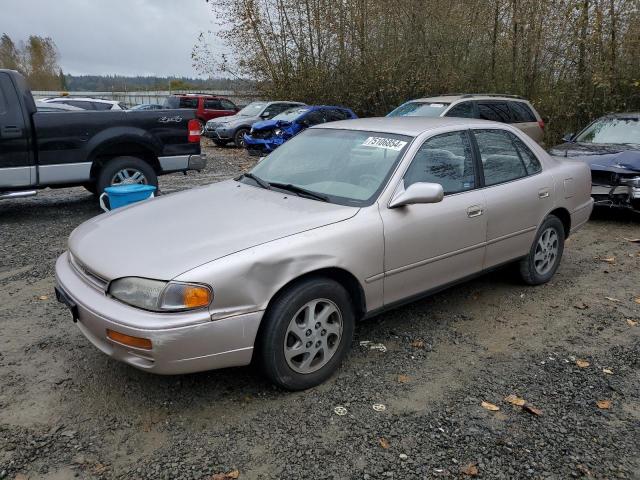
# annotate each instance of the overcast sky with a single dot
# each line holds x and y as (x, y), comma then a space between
(128, 37)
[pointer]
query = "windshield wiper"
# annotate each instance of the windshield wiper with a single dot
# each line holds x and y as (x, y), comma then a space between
(257, 179)
(300, 191)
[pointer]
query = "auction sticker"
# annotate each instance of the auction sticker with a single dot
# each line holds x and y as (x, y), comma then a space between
(382, 142)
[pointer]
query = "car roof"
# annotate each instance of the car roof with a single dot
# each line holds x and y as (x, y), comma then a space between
(413, 126)
(622, 115)
(82, 99)
(468, 96)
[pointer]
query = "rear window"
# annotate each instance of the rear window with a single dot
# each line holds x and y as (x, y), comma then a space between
(188, 102)
(521, 112)
(494, 111)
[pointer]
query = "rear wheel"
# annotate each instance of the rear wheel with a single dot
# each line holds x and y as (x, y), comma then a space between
(238, 138)
(307, 332)
(544, 256)
(126, 171)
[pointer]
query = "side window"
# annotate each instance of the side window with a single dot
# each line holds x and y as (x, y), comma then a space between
(501, 161)
(461, 110)
(445, 159)
(80, 104)
(188, 102)
(3, 101)
(494, 111)
(313, 118)
(334, 114)
(227, 105)
(100, 106)
(212, 104)
(521, 112)
(531, 162)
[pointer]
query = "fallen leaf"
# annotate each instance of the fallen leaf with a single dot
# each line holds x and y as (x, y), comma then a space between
(490, 406)
(470, 469)
(404, 379)
(417, 344)
(384, 443)
(612, 299)
(43, 297)
(632, 323)
(633, 240)
(582, 363)
(583, 470)
(637, 300)
(609, 259)
(604, 404)
(513, 400)
(531, 409)
(99, 468)
(607, 371)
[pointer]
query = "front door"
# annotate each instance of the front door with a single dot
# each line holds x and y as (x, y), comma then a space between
(430, 245)
(16, 165)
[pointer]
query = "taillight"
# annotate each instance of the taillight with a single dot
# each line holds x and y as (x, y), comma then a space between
(541, 124)
(195, 128)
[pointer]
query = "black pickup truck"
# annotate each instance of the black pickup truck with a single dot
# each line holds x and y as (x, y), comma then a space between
(88, 148)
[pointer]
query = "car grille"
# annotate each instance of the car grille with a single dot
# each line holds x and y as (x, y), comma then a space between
(87, 275)
(261, 133)
(211, 126)
(603, 178)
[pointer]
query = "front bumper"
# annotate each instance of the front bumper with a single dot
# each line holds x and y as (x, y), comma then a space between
(262, 146)
(181, 342)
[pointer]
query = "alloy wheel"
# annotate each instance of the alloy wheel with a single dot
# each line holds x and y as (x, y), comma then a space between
(546, 251)
(128, 176)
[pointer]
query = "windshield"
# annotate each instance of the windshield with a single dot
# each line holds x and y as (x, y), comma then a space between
(611, 130)
(419, 109)
(291, 114)
(349, 167)
(252, 110)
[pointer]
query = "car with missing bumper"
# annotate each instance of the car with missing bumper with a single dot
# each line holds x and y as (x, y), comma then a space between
(234, 128)
(342, 222)
(267, 135)
(610, 146)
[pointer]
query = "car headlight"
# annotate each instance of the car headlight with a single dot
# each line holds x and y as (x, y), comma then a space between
(277, 132)
(160, 296)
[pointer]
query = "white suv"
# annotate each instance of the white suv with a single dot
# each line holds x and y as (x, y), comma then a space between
(510, 109)
(88, 103)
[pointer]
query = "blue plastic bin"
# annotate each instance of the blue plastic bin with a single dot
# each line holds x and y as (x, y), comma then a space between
(121, 195)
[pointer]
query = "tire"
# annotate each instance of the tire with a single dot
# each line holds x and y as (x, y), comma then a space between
(238, 138)
(138, 171)
(544, 257)
(220, 143)
(285, 320)
(90, 187)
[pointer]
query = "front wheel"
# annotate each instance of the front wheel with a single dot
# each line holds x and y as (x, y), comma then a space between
(307, 332)
(126, 171)
(544, 256)
(238, 138)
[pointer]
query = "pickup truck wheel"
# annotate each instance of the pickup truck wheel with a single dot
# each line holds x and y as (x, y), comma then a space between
(544, 257)
(238, 138)
(126, 171)
(306, 333)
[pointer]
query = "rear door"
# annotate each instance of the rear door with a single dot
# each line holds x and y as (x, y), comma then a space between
(517, 191)
(525, 120)
(16, 160)
(213, 108)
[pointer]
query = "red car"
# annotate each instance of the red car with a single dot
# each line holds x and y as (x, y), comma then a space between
(206, 106)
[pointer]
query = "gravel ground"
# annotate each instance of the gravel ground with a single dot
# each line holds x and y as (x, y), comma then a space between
(66, 410)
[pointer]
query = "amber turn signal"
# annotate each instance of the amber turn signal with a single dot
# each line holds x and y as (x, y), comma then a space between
(128, 340)
(195, 296)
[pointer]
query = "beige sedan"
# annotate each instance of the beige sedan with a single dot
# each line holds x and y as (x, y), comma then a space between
(342, 222)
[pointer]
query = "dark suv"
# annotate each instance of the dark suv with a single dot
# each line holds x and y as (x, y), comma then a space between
(206, 106)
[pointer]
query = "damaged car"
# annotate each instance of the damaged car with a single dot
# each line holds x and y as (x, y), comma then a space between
(264, 137)
(343, 222)
(611, 147)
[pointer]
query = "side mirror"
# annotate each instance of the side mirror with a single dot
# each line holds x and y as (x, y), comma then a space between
(568, 137)
(265, 114)
(420, 192)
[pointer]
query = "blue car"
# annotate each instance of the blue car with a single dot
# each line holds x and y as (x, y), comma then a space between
(268, 135)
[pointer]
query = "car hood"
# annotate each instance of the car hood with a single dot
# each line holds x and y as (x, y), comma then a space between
(270, 124)
(235, 119)
(172, 234)
(604, 157)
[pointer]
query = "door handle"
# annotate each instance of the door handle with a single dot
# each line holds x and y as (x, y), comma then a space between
(543, 193)
(10, 131)
(474, 211)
